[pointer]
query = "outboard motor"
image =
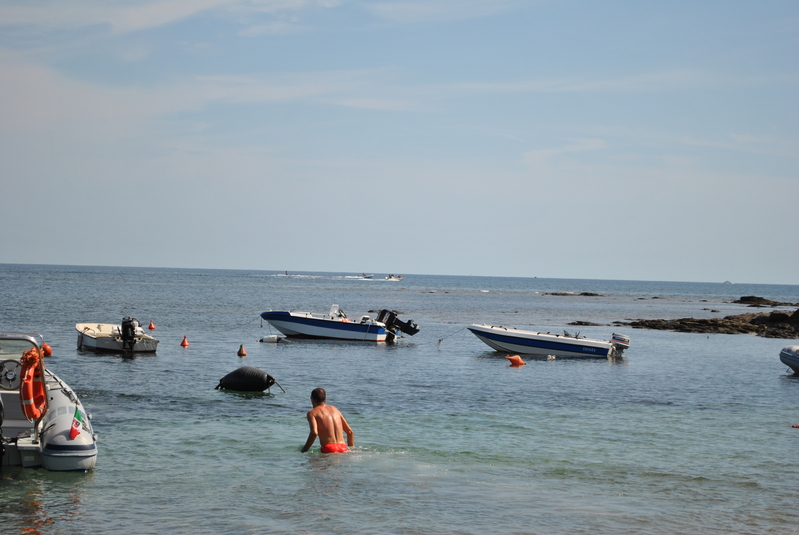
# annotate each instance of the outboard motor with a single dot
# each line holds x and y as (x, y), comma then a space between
(129, 332)
(393, 323)
(620, 342)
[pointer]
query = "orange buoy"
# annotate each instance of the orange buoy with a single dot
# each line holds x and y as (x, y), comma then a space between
(795, 425)
(242, 352)
(151, 326)
(515, 360)
(47, 350)
(185, 342)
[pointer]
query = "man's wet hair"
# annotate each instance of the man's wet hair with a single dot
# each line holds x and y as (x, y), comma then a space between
(318, 395)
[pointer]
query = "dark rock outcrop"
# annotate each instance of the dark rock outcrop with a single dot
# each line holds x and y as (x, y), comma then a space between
(777, 324)
(572, 294)
(755, 301)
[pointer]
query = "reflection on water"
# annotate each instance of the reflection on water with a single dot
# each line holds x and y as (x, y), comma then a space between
(38, 502)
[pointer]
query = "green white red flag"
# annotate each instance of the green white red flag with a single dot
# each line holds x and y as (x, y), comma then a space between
(77, 423)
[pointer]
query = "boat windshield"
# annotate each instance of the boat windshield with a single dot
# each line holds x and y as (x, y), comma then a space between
(14, 348)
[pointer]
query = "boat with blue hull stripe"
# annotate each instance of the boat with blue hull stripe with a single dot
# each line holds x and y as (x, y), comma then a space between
(336, 325)
(511, 340)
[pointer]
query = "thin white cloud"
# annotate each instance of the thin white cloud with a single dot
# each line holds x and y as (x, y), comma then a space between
(437, 10)
(121, 16)
(40, 98)
(36, 96)
(135, 15)
(642, 82)
(543, 156)
(277, 27)
(377, 104)
(767, 145)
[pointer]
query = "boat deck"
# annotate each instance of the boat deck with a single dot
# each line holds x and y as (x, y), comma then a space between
(99, 329)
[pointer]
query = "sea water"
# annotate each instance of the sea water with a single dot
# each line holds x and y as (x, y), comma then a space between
(688, 433)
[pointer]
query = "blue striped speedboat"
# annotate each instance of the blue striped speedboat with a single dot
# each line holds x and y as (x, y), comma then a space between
(337, 326)
(512, 340)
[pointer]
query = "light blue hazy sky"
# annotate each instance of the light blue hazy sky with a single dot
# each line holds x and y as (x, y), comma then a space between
(576, 139)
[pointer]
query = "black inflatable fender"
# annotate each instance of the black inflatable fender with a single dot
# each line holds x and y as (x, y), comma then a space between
(247, 379)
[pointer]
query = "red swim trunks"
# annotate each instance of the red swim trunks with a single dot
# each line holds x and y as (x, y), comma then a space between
(335, 448)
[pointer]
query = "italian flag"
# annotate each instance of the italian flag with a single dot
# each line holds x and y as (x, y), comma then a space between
(77, 423)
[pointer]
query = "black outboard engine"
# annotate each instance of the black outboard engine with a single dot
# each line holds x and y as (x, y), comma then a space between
(393, 323)
(129, 332)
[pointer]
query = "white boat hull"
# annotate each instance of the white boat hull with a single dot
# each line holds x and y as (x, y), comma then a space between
(790, 357)
(308, 325)
(107, 337)
(510, 340)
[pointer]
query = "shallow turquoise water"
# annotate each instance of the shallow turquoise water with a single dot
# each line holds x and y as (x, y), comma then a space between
(689, 433)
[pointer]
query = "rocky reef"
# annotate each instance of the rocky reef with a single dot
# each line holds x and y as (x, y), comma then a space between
(776, 324)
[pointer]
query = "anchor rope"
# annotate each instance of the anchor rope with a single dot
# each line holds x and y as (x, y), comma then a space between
(438, 342)
(234, 328)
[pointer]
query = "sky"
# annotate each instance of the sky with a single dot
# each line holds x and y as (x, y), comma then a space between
(563, 139)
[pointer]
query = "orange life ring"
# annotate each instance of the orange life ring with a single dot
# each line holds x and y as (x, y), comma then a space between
(32, 391)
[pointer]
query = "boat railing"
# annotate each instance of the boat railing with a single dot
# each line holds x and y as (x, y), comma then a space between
(89, 330)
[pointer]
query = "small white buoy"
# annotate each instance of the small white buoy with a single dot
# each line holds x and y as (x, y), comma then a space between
(550, 357)
(272, 338)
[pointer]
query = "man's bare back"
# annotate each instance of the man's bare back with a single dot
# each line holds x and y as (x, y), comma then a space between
(327, 423)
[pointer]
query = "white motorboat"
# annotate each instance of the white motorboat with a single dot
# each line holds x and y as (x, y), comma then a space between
(129, 337)
(511, 340)
(43, 422)
(336, 325)
(790, 357)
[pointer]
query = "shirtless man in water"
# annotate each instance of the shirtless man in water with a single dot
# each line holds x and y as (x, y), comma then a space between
(328, 424)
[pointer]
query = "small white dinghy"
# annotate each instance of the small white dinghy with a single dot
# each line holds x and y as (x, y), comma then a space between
(129, 337)
(43, 422)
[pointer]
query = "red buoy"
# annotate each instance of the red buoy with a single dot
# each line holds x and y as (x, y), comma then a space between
(242, 352)
(152, 326)
(515, 360)
(185, 342)
(48, 351)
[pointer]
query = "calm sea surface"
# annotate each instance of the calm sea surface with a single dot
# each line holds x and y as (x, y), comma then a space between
(687, 434)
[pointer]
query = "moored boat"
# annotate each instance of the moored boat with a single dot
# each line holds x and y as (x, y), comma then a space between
(44, 423)
(790, 357)
(511, 340)
(129, 337)
(336, 325)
